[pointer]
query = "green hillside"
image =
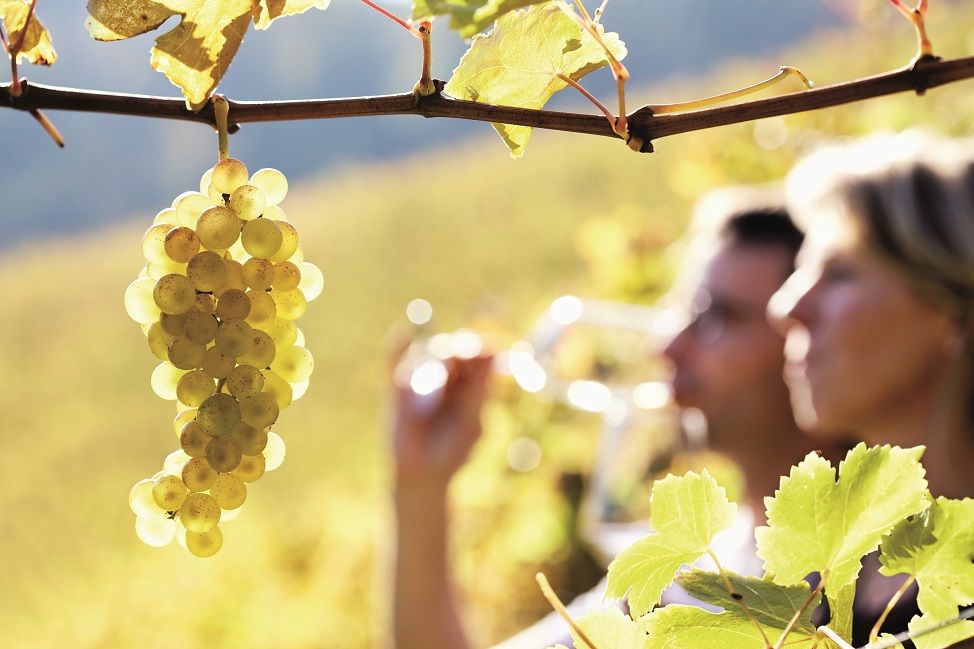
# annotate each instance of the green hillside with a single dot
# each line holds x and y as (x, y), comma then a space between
(305, 564)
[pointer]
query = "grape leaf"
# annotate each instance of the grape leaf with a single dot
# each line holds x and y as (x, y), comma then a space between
(37, 47)
(516, 64)
(840, 606)
(946, 637)
(687, 512)
(468, 17)
(267, 11)
(771, 605)
(818, 524)
(936, 547)
(196, 53)
(610, 629)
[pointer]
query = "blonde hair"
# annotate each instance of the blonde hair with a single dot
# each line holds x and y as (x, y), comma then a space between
(912, 197)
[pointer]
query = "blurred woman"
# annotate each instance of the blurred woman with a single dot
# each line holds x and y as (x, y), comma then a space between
(879, 313)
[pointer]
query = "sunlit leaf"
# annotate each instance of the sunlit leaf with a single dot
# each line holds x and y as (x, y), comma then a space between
(517, 63)
(469, 17)
(936, 547)
(611, 629)
(37, 47)
(687, 512)
(267, 11)
(835, 524)
(113, 20)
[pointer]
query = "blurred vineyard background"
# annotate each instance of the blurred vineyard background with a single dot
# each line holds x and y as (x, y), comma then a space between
(489, 242)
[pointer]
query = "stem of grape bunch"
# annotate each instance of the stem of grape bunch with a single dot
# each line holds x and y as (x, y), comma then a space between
(221, 111)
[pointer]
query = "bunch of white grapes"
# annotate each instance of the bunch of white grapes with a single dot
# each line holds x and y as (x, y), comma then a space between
(224, 282)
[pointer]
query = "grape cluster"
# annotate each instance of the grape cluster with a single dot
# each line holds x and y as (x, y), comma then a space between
(224, 282)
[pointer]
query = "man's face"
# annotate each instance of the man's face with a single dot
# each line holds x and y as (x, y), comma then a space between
(727, 362)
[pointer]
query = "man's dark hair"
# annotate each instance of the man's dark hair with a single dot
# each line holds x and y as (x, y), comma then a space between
(763, 226)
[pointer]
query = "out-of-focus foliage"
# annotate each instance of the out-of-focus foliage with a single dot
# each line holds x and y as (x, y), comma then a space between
(309, 566)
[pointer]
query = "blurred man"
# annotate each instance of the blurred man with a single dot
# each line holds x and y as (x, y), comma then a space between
(727, 363)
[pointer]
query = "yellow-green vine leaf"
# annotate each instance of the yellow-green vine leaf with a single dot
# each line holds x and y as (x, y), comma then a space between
(840, 605)
(115, 20)
(816, 524)
(687, 512)
(936, 547)
(516, 64)
(267, 11)
(771, 605)
(946, 637)
(37, 47)
(611, 629)
(468, 17)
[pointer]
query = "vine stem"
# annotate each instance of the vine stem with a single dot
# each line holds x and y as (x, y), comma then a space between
(834, 637)
(221, 110)
(737, 597)
(925, 73)
(874, 632)
(557, 604)
(393, 17)
(798, 614)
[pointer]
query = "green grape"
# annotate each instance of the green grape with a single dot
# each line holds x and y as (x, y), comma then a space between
(201, 328)
(204, 544)
(157, 271)
(207, 271)
(312, 281)
(228, 174)
(169, 492)
(251, 468)
(186, 354)
(175, 462)
(298, 389)
(217, 364)
(274, 213)
(274, 452)
(248, 202)
(155, 532)
(259, 273)
(174, 325)
(153, 243)
(142, 502)
(289, 241)
(194, 388)
(218, 415)
(299, 338)
(250, 440)
(283, 332)
(181, 244)
(193, 440)
(263, 310)
(297, 257)
(291, 305)
(218, 228)
(287, 276)
(207, 189)
(167, 215)
(233, 304)
(229, 491)
(205, 303)
(197, 474)
(277, 386)
(182, 419)
(174, 294)
(260, 410)
(230, 514)
(272, 183)
(262, 351)
(293, 364)
(234, 338)
(199, 513)
(164, 379)
(245, 381)
(235, 278)
(139, 303)
(159, 341)
(190, 205)
(261, 238)
(223, 454)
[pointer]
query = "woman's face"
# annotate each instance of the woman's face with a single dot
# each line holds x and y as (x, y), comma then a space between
(864, 353)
